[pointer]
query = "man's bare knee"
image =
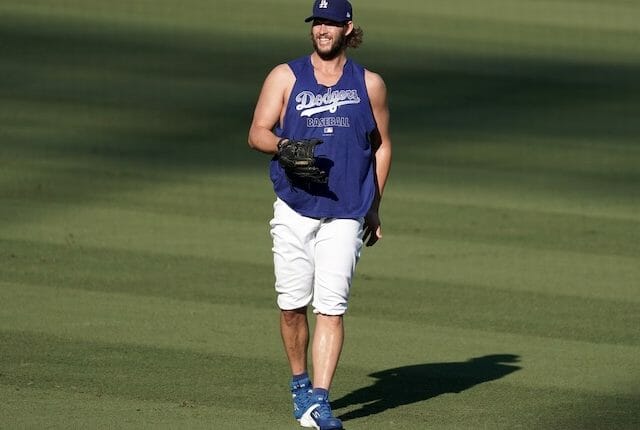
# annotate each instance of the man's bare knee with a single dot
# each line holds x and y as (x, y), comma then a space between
(294, 316)
(330, 319)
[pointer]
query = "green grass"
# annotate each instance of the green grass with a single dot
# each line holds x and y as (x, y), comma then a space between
(135, 263)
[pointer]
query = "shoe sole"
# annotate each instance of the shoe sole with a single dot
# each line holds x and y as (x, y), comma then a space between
(306, 420)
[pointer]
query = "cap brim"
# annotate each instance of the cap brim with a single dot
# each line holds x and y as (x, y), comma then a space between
(311, 18)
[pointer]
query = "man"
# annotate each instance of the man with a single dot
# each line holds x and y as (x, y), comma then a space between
(318, 228)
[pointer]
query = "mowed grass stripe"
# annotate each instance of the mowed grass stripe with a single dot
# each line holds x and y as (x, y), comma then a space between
(161, 274)
(87, 370)
(125, 370)
(601, 194)
(503, 267)
(586, 15)
(31, 408)
(39, 193)
(447, 186)
(160, 322)
(507, 311)
(103, 226)
(523, 228)
(601, 158)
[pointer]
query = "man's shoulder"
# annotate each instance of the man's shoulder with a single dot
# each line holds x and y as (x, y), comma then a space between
(373, 79)
(281, 72)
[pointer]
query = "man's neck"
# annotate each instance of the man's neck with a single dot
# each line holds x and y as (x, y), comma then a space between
(333, 66)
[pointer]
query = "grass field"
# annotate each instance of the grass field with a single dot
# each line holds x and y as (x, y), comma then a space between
(135, 263)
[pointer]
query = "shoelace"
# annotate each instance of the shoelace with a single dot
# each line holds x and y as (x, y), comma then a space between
(324, 410)
(301, 397)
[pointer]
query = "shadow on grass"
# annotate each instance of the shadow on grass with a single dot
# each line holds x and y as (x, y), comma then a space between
(416, 383)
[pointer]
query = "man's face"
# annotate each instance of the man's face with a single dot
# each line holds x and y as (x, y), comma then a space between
(329, 38)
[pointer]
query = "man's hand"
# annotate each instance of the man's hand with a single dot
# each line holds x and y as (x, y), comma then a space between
(372, 228)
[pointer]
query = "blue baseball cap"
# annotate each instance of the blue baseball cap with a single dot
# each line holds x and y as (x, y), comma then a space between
(332, 10)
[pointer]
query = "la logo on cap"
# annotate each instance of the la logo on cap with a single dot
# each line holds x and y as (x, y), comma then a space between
(323, 4)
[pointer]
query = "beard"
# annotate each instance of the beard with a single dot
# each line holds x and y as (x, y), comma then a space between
(336, 48)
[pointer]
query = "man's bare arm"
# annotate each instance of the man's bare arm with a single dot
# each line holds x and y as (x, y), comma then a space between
(269, 109)
(382, 146)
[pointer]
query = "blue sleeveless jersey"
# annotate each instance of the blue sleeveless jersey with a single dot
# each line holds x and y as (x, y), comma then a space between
(342, 118)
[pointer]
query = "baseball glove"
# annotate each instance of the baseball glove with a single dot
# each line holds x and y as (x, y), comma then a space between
(297, 159)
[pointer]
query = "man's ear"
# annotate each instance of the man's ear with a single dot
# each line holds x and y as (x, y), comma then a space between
(348, 28)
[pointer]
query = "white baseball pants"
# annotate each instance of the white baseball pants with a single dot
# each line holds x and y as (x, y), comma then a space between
(314, 259)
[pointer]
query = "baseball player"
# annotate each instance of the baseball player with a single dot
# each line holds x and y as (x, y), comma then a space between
(325, 120)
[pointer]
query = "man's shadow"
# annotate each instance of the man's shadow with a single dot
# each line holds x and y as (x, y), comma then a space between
(411, 384)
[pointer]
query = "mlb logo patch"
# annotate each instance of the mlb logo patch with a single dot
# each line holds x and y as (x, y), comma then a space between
(328, 130)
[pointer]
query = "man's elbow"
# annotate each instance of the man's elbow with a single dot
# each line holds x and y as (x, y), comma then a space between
(251, 139)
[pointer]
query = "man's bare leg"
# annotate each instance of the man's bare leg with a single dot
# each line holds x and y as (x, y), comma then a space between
(326, 349)
(294, 328)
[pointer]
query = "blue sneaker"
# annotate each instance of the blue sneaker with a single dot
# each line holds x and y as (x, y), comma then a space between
(319, 416)
(301, 395)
